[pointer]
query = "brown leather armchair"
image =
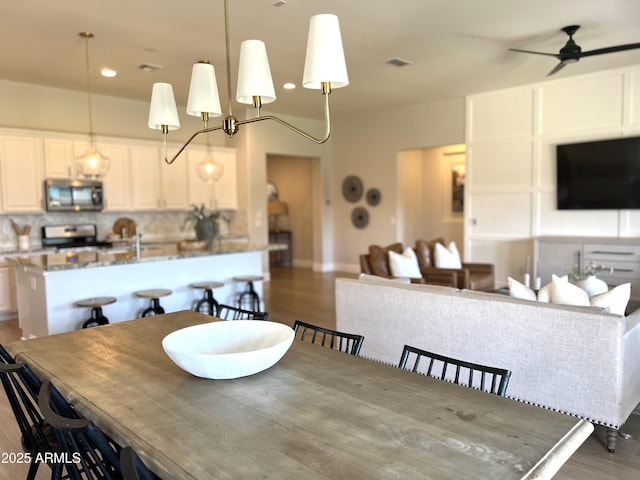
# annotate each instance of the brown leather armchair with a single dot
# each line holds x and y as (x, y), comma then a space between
(376, 262)
(472, 276)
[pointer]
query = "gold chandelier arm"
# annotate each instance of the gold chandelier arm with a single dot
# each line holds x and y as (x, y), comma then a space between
(284, 123)
(199, 132)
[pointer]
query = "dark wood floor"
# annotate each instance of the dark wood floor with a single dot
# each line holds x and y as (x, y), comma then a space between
(295, 293)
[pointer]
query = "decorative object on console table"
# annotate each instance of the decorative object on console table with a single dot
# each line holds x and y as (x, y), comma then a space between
(587, 279)
(278, 211)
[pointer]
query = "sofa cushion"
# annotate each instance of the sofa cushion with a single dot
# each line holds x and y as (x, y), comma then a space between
(404, 264)
(379, 258)
(447, 257)
(615, 300)
(565, 293)
(425, 252)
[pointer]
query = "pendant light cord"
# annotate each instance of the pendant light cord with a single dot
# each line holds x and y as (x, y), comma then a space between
(228, 51)
(87, 36)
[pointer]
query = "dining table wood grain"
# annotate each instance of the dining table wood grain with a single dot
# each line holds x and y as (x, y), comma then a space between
(316, 414)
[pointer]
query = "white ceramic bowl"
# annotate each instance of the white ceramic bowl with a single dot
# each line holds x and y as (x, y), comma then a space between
(228, 349)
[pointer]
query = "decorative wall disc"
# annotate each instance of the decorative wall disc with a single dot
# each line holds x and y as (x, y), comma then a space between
(373, 196)
(352, 188)
(360, 217)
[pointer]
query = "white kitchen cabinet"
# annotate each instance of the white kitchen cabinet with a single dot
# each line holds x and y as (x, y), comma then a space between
(226, 189)
(154, 184)
(174, 185)
(7, 294)
(222, 194)
(59, 159)
(116, 182)
(21, 173)
(146, 185)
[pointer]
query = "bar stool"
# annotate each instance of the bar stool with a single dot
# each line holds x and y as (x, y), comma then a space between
(154, 295)
(249, 299)
(207, 299)
(95, 304)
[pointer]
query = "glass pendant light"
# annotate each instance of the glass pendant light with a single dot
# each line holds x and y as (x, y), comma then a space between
(91, 164)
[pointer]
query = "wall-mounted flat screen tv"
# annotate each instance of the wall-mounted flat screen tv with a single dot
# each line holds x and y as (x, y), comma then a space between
(599, 175)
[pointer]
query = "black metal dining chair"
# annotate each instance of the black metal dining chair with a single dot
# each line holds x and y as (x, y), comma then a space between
(228, 312)
(345, 342)
(38, 440)
(482, 377)
(86, 452)
(133, 468)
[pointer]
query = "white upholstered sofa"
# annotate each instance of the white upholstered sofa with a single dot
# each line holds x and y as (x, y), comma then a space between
(575, 360)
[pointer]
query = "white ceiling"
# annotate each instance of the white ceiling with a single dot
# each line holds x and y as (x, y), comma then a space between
(457, 47)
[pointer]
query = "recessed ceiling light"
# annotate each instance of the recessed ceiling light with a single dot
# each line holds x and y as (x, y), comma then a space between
(279, 3)
(289, 86)
(107, 72)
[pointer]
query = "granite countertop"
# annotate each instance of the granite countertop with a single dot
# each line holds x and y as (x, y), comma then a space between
(51, 260)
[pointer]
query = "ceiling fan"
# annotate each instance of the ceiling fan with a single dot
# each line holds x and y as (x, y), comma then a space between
(571, 52)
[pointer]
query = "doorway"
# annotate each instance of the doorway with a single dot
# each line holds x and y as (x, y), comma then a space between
(297, 185)
(431, 194)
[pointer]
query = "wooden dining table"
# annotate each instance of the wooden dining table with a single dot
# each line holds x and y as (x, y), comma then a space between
(316, 414)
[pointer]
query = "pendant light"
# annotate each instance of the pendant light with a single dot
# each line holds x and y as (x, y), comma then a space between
(91, 164)
(209, 170)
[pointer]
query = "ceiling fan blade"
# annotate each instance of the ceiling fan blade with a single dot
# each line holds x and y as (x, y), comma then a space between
(555, 55)
(557, 68)
(618, 48)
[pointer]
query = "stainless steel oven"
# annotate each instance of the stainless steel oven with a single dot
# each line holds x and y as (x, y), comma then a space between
(67, 195)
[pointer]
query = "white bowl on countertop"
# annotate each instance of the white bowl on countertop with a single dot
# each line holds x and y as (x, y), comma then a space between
(228, 349)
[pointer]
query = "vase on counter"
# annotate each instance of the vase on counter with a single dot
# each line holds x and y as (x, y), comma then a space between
(592, 285)
(206, 230)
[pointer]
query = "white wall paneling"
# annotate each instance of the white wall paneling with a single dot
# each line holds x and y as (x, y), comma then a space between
(500, 115)
(502, 165)
(511, 178)
(501, 214)
(582, 103)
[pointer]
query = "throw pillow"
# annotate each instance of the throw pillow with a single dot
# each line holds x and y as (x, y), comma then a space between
(447, 257)
(404, 264)
(544, 294)
(518, 290)
(565, 293)
(615, 299)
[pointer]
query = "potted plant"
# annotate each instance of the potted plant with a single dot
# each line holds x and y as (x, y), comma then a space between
(204, 224)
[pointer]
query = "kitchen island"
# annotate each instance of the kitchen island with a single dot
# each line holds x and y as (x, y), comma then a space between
(48, 284)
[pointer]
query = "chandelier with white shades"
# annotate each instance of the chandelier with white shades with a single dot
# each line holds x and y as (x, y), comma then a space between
(324, 69)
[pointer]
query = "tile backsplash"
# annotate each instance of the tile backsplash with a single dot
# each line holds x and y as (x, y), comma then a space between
(153, 226)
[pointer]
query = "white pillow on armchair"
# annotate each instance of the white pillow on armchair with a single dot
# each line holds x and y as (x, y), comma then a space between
(447, 257)
(405, 264)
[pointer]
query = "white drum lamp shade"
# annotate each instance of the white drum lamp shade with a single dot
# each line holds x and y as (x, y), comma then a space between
(325, 56)
(163, 111)
(203, 91)
(254, 74)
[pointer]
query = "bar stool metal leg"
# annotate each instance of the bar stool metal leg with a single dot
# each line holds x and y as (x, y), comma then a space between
(154, 308)
(210, 302)
(207, 304)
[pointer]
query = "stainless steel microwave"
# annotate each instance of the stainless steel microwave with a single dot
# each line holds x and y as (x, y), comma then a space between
(67, 195)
